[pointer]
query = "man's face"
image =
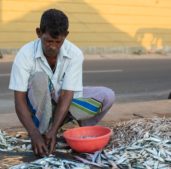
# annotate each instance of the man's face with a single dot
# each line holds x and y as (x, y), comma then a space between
(51, 46)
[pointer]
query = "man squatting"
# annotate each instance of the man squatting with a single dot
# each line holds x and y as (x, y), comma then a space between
(46, 78)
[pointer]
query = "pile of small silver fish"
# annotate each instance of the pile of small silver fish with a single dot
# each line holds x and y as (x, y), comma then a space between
(147, 153)
(127, 132)
(10, 143)
(139, 144)
(51, 162)
(135, 144)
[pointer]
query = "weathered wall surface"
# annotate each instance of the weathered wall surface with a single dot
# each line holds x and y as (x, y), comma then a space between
(94, 24)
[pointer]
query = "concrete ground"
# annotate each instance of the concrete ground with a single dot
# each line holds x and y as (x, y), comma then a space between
(118, 112)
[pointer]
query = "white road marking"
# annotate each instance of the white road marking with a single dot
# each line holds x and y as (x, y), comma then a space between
(5, 75)
(86, 71)
(103, 71)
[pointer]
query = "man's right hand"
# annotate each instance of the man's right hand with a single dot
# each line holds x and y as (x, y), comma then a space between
(38, 144)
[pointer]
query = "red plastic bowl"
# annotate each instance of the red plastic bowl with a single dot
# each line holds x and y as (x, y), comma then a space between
(87, 139)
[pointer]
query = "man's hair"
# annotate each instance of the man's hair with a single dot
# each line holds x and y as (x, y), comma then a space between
(55, 22)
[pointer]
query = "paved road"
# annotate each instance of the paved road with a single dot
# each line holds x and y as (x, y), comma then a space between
(132, 80)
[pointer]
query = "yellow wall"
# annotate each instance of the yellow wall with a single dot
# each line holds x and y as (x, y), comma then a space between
(93, 23)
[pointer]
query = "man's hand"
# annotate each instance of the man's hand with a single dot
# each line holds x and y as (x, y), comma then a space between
(38, 144)
(50, 140)
(59, 115)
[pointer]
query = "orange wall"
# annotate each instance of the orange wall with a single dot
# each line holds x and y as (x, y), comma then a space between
(93, 23)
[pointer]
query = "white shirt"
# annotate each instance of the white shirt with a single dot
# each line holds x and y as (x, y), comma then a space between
(30, 59)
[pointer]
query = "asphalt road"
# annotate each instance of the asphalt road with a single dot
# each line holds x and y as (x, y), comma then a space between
(132, 80)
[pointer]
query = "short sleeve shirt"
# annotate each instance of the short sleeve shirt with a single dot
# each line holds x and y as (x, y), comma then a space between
(30, 59)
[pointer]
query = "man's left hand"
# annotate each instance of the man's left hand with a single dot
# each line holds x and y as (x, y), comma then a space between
(50, 140)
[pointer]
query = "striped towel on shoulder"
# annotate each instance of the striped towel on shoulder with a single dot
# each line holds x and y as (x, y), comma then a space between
(84, 108)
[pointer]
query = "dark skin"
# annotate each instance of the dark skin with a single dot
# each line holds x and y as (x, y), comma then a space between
(45, 144)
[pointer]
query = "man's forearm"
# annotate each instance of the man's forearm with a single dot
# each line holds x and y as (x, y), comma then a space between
(61, 109)
(38, 143)
(23, 113)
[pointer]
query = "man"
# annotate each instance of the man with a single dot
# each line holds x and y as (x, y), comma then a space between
(46, 78)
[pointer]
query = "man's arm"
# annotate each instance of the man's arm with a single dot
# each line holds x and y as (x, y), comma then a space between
(24, 115)
(59, 115)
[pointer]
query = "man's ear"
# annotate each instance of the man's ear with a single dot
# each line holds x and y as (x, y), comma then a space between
(66, 34)
(38, 32)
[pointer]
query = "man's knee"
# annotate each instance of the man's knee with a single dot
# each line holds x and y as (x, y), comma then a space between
(109, 95)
